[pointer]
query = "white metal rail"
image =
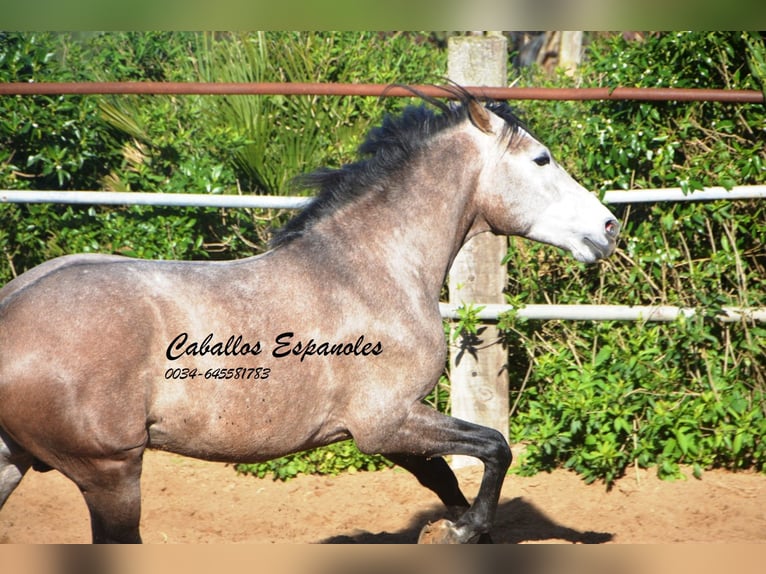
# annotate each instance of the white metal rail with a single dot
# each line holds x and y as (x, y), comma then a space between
(153, 198)
(293, 202)
(491, 312)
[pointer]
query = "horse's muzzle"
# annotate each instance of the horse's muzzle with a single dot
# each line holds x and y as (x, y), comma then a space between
(602, 246)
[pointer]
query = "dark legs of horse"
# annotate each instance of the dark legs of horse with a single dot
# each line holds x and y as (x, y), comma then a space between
(436, 475)
(432, 434)
(14, 463)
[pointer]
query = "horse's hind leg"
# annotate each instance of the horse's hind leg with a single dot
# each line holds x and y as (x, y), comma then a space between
(436, 475)
(112, 491)
(14, 463)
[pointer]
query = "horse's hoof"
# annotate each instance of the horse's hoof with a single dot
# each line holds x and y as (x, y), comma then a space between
(439, 532)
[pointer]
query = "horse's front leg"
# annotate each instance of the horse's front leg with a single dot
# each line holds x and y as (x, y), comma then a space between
(428, 433)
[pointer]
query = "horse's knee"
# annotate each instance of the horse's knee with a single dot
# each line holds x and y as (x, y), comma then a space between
(503, 455)
(493, 449)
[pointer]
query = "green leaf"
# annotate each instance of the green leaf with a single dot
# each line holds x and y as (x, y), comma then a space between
(603, 354)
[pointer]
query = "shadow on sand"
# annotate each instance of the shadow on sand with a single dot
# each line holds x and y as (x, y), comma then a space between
(516, 521)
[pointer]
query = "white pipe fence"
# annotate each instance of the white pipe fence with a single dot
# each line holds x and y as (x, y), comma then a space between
(153, 198)
(487, 312)
(676, 194)
(292, 202)
(490, 312)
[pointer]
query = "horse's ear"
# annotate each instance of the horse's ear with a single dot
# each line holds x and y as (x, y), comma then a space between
(479, 116)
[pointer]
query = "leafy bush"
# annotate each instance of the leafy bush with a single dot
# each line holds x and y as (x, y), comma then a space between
(63, 143)
(304, 132)
(46, 142)
(604, 396)
(661, 395)
(593, 397)
(332, 459)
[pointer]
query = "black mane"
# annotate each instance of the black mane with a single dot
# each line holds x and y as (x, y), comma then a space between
(385, 151)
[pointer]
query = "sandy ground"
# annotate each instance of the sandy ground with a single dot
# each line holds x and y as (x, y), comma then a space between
(191, 501)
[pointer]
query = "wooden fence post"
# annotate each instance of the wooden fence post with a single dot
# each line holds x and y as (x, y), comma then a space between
(478, 374)
(570, 52)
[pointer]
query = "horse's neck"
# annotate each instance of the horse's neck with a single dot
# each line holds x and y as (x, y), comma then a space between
(411, 232)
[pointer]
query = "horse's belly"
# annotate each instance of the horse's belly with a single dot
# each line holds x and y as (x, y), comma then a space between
(237, 443)
(227, 421)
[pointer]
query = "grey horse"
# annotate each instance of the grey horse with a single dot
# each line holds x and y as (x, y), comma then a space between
(334, 333)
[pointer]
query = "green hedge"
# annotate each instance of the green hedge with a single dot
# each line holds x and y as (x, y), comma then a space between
(602, 397)
(594, 397)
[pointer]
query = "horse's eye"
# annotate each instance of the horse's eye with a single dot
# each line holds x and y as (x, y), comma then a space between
(543, 159)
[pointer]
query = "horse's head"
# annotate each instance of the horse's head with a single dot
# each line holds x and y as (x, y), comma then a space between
(523, 191)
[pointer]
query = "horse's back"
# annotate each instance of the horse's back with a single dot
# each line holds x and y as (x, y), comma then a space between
(43, 270)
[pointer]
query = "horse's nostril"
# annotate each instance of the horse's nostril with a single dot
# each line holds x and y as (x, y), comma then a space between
(612, 228)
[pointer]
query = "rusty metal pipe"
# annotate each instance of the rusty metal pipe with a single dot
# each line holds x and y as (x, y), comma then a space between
(377, 90)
